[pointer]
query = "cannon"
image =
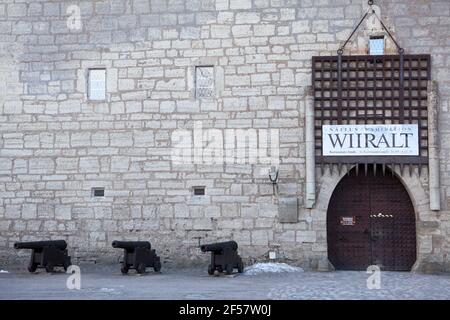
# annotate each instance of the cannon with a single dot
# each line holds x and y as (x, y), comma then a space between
(46, 254)
(138, 255)
(224, 257)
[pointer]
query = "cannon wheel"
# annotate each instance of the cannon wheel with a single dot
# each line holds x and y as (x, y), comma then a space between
(210, 270)
(240, 266)
(124, 269)
(49, 268)
(32, 267)
(157, 266)
(141, 268)
(229, 268)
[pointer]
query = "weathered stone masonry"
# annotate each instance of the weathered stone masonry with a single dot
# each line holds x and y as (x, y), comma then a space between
(55, 145)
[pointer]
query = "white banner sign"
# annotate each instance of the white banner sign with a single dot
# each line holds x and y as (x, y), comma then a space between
(370, 140)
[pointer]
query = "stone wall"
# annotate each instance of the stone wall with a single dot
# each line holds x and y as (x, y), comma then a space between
(55, 145)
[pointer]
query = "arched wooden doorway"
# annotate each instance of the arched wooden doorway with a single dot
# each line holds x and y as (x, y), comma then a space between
(371, 221)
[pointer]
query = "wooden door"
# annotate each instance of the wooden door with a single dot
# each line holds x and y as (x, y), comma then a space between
(371, 221)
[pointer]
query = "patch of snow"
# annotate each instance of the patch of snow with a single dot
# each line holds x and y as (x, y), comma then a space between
(106, 290)
(4, 271)
(270, 267)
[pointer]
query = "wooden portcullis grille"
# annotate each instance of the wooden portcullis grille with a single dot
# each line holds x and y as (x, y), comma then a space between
(370, 89)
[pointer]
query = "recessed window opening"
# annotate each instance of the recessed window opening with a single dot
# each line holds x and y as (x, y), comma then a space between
(199, 191)
(97, 84)
(376, 45)
(98, 192)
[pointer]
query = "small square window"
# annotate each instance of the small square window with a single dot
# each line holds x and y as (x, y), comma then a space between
(97, 84)
(204, 82)
(98, 192)
(376, 46)
(199, 191)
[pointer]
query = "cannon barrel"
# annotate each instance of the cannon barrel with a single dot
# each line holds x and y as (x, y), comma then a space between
(131, 244)
(60, 244)
(219, 246)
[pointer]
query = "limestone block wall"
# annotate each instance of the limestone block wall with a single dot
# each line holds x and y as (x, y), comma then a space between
(56, 145)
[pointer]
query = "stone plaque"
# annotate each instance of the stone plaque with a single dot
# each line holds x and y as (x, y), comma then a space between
(204, 82)
(288, 210)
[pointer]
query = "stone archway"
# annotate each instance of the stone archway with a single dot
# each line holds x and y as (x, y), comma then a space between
(429, 258)
(371, 221)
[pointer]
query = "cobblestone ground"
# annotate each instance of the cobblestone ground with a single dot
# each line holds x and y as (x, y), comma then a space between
(108, 283)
